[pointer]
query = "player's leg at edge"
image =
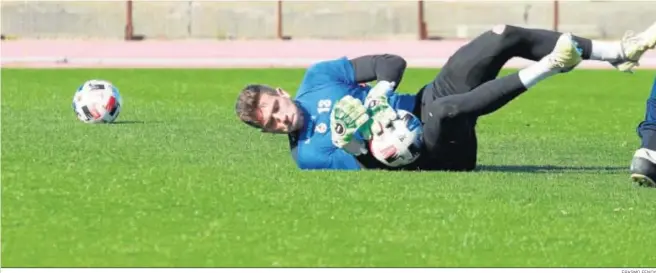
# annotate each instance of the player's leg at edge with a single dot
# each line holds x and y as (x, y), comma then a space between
(633, 46)
(643, 165)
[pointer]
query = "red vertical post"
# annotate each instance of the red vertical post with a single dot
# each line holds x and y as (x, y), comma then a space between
(423, 33)
(279, 34)
(129, 27)
(556, 14)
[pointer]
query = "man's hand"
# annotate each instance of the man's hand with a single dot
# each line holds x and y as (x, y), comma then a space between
(379, 107)
(348, 115)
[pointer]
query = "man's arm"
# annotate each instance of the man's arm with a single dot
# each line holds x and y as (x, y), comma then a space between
(384, 67)
(363, 69)
(387, 70)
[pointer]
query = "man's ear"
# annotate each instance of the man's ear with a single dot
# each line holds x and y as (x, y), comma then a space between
(282, 92)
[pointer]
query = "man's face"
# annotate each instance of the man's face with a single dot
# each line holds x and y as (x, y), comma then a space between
(278, 113)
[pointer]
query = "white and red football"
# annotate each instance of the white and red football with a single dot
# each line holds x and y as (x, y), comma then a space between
(97, 101)
(399, 144)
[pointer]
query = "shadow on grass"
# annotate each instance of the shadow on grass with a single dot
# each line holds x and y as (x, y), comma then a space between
(552, 169)
(119, 122)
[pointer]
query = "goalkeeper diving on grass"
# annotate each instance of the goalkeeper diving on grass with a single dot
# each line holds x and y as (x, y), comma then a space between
(334, 115)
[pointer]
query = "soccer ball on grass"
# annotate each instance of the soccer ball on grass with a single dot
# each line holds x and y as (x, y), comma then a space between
(97, 101)
(399, 144)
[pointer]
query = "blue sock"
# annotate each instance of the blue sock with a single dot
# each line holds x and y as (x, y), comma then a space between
(653, 90)
(648, 135)
(647, 128)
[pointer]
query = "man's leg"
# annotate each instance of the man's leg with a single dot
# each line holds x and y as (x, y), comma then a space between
(481, 59)
(643, 165)
(470, 66)
(449, 120)
(633, 46)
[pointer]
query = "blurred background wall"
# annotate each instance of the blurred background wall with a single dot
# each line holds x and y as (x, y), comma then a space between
(410, 19)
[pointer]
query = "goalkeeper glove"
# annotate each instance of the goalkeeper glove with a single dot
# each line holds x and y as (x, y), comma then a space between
(346, 118)
(379, 108)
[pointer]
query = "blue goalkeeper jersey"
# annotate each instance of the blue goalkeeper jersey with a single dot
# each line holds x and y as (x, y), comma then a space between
(324, 84)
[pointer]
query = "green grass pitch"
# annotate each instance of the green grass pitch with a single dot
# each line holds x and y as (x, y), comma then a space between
(180, 182)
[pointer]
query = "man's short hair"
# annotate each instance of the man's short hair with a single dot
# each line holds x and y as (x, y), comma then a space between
(248, 103)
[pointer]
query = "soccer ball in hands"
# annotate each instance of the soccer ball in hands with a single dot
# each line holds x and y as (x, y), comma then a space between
(97, 101)
(400, 143)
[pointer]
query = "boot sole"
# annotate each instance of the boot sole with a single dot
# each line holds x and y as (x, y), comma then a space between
(643, 180)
